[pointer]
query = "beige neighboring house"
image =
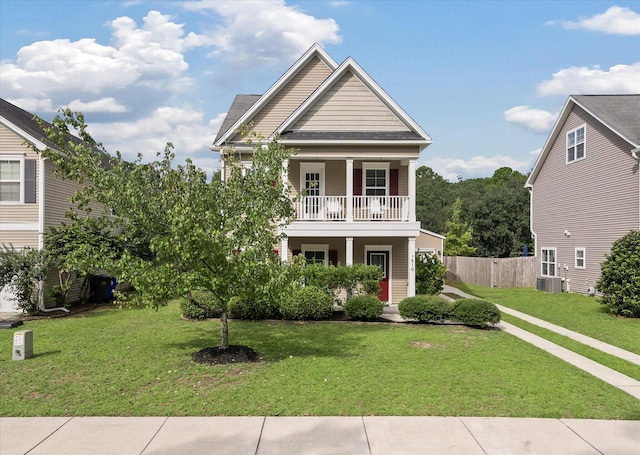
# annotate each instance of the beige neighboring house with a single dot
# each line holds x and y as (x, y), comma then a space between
(31, 198)
(585, 187)
(430, 242)
(356, 166)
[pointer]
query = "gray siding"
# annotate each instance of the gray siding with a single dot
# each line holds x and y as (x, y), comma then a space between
(596, 199)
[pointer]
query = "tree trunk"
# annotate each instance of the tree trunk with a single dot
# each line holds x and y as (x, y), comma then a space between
(224, 328)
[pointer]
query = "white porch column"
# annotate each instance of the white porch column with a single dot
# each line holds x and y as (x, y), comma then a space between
(349, 250)
(284, 248)
(412, 190)
(411, 285)
(285, 172)
(350, 192)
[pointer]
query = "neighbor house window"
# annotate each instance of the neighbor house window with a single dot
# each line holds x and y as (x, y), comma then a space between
(11, 176)
(316, 254)
(575, 144)
(581, 258)
(548, 261)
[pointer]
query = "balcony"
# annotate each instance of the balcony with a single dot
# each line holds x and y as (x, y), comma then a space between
(355, 208)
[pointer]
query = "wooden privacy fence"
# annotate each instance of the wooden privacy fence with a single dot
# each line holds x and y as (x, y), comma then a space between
(520, 272)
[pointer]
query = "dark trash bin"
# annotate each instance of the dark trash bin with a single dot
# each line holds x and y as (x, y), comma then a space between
(100, 288)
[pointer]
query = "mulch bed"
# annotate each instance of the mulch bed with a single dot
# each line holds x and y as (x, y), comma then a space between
(233, 354)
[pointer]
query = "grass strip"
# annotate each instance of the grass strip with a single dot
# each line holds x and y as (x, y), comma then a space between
(608, 360)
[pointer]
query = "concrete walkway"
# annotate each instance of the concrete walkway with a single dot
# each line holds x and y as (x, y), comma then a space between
(316, 435)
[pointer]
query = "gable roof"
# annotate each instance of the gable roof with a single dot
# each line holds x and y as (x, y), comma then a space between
(619, 113)
(241, 104)
(23, 123)
(315, 51)
(413, 133)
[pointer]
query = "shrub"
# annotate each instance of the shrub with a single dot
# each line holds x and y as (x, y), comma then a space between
(620, 278)
(353, 279)
(425, 308)
(21, 271)
(430, 273)
(243, 308)
(200, 305)
(475, 312)
(363, 307)
(307, 303)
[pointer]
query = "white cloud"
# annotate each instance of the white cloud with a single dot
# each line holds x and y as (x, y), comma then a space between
(616, 20)
(619, 79)
(264, 31)
(535, 120)
(474, 167)
(102, 105)
(33, 104)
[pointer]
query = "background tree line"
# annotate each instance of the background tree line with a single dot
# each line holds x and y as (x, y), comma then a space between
(493, 210)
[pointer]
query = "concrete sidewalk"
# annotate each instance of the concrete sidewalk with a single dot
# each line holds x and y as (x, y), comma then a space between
(316, 435)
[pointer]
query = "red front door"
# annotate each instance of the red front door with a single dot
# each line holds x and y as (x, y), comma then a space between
(381, 259)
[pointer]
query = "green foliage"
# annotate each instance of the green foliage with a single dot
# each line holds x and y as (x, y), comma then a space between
(21, 271)
(307, 303)
(459, 234)
(354, 279)
(430, 274)
(201, 233)
(363, 307)
(434, 199)
(620, 278)
(200, 305)
(425, 308)
(475, 312)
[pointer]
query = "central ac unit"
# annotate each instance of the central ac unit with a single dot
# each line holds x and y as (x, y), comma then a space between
(552, 285)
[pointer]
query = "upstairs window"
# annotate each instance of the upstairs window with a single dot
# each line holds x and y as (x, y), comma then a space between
(575, 144)
(10, 180)
(376, 179)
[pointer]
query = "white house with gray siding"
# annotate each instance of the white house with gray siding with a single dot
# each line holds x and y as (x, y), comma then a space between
(585, 187)
(31, 197)
(355, 166)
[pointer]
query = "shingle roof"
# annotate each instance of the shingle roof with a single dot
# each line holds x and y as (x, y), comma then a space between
(23, 120)
(352, 135)
(240, 105)
(621, 112)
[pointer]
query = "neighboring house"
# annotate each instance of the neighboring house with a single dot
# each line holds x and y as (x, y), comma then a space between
(585, 187)
(355, 166)
(430, 242)
(31, 198)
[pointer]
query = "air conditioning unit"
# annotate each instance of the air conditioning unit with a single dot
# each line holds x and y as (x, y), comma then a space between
(552, 285)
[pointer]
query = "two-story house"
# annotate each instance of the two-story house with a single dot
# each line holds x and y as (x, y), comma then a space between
(355, 166)
(585, 187)
(31, 197)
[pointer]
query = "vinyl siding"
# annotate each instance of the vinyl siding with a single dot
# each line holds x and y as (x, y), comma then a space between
(57, 194)
(11, 144)
(19, 238)
(596, 199)
(289, 98)
(349, 106)
(360, 153)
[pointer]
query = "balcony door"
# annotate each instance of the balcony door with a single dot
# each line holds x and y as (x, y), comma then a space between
(312, 184)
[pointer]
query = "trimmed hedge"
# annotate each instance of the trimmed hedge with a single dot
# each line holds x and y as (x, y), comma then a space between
(200, 305)
(475, 312)
(425, 308)
(240, 308)
(307, 303)
(363, 307)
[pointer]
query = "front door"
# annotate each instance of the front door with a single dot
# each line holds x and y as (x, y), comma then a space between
(381, 259)
(313, 186)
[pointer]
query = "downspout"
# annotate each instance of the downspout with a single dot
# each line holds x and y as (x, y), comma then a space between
(634, 154)
(533, 233)
(41, 228)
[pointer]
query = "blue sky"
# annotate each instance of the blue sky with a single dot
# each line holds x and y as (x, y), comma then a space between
(486, 80)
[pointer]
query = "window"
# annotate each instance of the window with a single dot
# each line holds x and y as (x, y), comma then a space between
(316, 254)
(548, 261)
(575, 144)
(376, 179)
(10, 180)
(581, 258)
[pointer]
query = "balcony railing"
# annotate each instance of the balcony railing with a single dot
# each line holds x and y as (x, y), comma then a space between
(363, 208)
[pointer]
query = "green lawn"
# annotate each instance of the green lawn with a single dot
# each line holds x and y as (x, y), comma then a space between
(138, 362)
(573, 311)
